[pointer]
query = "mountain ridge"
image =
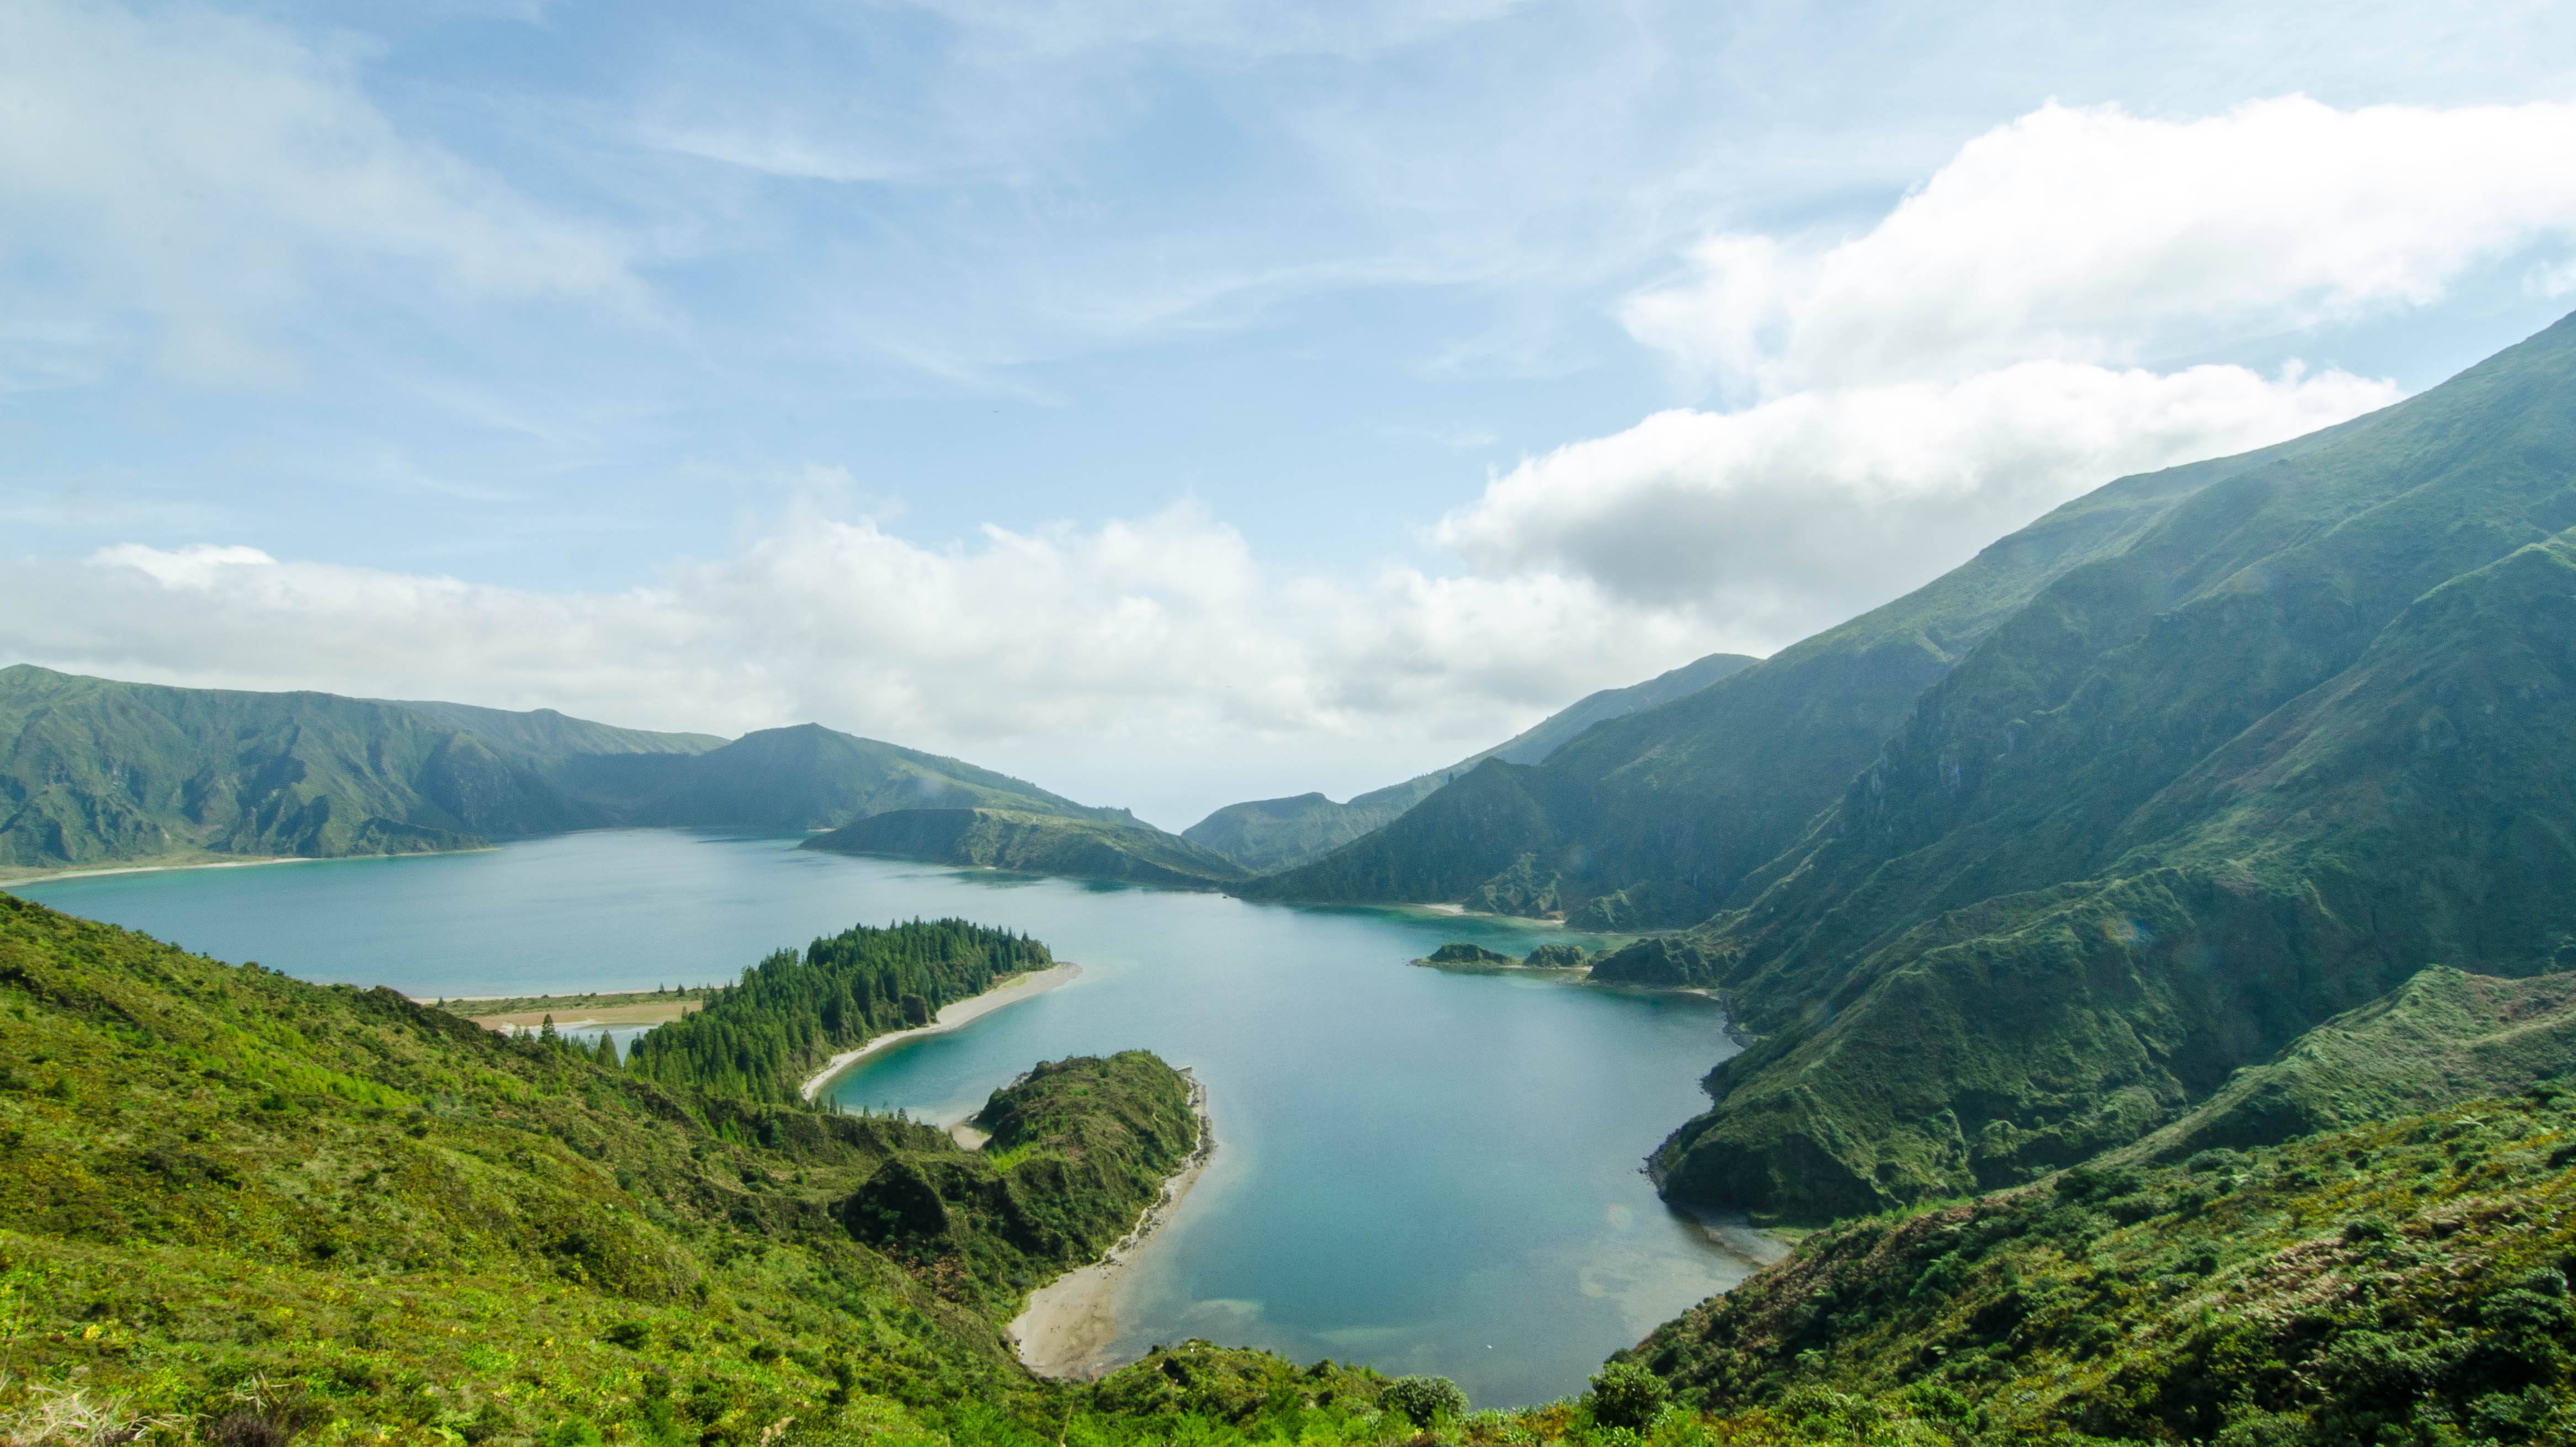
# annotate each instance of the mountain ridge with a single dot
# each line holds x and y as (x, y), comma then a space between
(1269, 835)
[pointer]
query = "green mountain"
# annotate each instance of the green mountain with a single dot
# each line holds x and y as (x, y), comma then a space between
(1267, 835)
(1655, 819)
(1081, 848)
(93, 771)
(804, 777)
(545, 734)
(2300, 737)
(98, 772)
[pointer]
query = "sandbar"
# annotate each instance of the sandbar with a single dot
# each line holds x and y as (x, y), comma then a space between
(950, 1017)
(1069, 1328)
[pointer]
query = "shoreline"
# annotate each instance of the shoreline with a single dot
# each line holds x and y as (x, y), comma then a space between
(1068, 1327)
(48, 876)
(951, 1016)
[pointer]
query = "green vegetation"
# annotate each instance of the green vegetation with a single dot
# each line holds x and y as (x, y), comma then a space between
(1424, 1400)
(2396, 1282)
(762, 1036)
(1269, 835)
(1035, 844)
(1658, 960)
(1079, 1147)
(245, 1211)
(1556, 957)
(1465, 954)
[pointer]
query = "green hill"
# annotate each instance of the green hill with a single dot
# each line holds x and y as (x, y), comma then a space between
(1080, 848)
(2403, 1281)
(1268, 835)
(2303, 736)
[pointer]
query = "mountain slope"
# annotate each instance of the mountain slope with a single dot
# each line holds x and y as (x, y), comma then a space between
(545, 734)
(2300, 738)
(1267, 835)
(1654, 819)
(804, 777)
(93, 771)
(1033, 844)
(2403, 1281)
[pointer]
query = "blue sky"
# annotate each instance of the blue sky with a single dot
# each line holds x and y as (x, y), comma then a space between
(1178, 402)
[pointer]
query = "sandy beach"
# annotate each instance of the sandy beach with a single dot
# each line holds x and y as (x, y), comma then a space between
(576, 1017)
(1037, 982)
(1069, 1327)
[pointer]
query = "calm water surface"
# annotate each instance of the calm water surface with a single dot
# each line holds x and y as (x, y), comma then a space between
(1428, 1171)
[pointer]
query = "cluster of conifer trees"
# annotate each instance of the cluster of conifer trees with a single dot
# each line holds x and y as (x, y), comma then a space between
(789, 1014)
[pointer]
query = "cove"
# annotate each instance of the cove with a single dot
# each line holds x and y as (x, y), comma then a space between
(1422, 1170)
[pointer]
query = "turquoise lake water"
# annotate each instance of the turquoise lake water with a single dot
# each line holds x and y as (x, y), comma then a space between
(1424, 1170)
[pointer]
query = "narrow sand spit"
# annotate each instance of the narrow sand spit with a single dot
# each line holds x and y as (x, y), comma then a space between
(1036, 982)
(1069, 1327)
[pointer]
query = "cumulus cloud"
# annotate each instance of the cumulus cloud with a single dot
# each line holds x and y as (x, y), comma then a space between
(197, 168)
(1980, 356)
(2092, 235)
(1143, 637)
(1984, 351)
(1806, 509)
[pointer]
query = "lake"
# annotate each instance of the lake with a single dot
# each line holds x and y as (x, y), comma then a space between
(1424, 1170)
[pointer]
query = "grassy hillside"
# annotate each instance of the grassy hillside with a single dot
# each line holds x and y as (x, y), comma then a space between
(1088, 848)
(1078, 1148)
(233, 1204)
(244, 1211)
(1267, 835)
(2395, 1282)
(238, 1209)
(2300, 738)
(1654, 819)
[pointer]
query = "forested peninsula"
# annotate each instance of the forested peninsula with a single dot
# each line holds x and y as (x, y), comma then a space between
(762, 1035)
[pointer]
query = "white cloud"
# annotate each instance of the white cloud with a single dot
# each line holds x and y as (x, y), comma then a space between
(199, 169)
(2018, 290)
(1801, 511)
(1141, 641)
(2092, 235)
(1973, 359)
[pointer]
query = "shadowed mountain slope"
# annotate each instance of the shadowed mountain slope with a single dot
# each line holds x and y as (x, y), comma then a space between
(2305, 735)
(97, 772)
(1654, 818)
(1267, 835)
(1081, 848)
